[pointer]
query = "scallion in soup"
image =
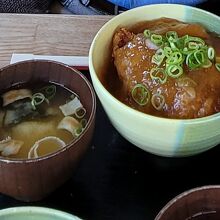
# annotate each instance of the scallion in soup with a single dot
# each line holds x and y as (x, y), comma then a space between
(36, 120)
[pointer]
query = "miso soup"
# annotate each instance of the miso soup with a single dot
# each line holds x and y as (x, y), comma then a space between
(36, 120)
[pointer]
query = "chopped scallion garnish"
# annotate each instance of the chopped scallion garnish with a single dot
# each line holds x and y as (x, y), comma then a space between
(167, 51)
(37, 99)
(207, 64)
(197, 40)
(140, 94)
(80, 112)
(78, 131)
(172, 36)
(176, 52)
(83, 122)
(157, 39)
(174, 71)
(158, 74)
(158, 57)
(193, 46)
(211, 53)
(158, 101)
(49, 91)
(147, 33)
(175, 58)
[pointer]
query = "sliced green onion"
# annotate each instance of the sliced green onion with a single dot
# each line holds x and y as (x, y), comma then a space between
(191, 62)
(147, 33)
(217, 65)
(158, 101)
(211, 53)
(174, 71)
(140, 94)
(207, 64)
(83, 122)
(186, 51)
(199, 56)
(180, 43)
(158, 74)
(174, 46)
(158, 57)
(198, 40)
(80, 112)
(193, 46)
(49, 91)
(175, 58)
(157, 39)
(167, 51)
(78, 131)
(171, 36)
(72, 96)
(37, 99)
(176, 51)
(166, 44)
(196, 59)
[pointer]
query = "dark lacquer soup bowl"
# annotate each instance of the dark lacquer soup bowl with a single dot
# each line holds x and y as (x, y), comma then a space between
(141, 87)
(200, 203)
(34, 176)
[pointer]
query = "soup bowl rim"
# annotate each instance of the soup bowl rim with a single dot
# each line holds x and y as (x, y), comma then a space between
(72, 143)
(127, 108)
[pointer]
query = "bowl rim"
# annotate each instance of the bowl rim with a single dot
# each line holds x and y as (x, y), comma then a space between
(182, 195)
(36, 210)
(72, 143)
(121, 104)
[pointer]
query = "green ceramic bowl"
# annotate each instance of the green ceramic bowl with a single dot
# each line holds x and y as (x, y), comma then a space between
(34, 213)
(166, 137)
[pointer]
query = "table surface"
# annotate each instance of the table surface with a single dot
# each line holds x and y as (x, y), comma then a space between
(115, 180)
(47, 34)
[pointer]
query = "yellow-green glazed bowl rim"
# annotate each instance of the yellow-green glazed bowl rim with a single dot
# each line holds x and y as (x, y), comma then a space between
(34, 213)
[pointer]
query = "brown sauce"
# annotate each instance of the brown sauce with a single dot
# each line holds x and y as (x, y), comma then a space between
(128, 67)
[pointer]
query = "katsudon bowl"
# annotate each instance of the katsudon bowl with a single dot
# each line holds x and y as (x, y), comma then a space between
(157, 135)
(31, 177)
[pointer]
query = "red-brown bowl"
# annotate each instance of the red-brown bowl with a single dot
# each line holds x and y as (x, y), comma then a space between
(202, 203)
(34, 179)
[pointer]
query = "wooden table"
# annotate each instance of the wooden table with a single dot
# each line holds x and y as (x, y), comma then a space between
(47, 34)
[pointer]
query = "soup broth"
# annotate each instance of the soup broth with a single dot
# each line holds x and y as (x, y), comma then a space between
(43, 123)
